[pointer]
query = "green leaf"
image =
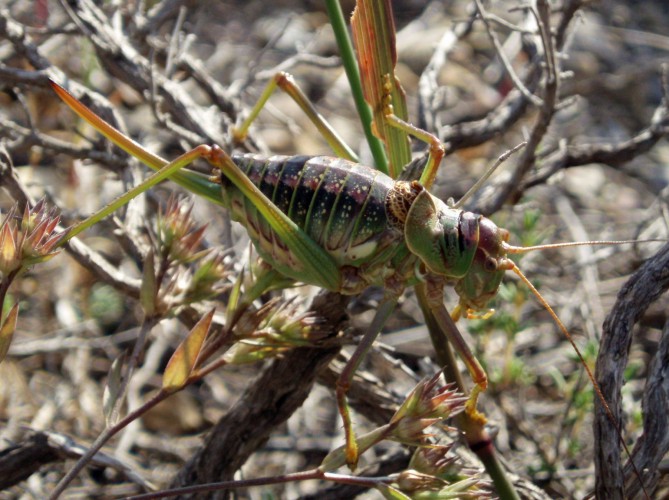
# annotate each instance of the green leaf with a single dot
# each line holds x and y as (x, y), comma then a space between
(337, 457)
(112, 390)
(391, 493)
(182, 362)
(233, 300)
(148, 292)
(7, 331)
(374, 36)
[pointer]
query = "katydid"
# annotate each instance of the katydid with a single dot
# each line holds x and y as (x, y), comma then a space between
(339, 225)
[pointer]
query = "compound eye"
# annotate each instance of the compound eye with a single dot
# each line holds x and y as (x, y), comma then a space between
(490, 264)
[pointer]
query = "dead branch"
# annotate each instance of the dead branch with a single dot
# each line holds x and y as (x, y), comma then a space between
(640, 291)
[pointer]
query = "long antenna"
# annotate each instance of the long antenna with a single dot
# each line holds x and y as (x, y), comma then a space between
(513, 267)
(551, 246)
(487, 174)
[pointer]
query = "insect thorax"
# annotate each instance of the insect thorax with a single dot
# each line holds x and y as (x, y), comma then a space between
(399, 201)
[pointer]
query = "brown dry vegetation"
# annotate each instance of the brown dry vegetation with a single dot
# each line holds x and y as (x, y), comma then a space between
(175, 78)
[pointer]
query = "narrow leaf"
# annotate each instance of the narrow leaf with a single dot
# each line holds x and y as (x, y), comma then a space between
(7, 331)
(337, 457)
(374, 37)
(233, 300)
(148, 292)
(113, 389)
(8, 253)
(390, 493)
(183, 360)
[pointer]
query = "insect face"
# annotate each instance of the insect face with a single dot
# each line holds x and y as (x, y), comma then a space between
(488, 267)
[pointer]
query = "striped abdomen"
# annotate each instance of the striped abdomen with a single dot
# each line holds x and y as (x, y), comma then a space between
(339, 204)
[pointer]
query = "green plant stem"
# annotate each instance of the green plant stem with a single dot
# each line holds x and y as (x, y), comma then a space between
(353, 74)
(5, 283)
(475, 434)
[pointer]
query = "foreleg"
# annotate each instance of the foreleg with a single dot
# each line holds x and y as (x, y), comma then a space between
(434, 293)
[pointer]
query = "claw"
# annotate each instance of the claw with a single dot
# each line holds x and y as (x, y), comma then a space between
(470, 405)
(351, 449)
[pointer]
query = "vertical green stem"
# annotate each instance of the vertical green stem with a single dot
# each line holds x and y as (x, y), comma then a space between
(475, 434)
(351, 67)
